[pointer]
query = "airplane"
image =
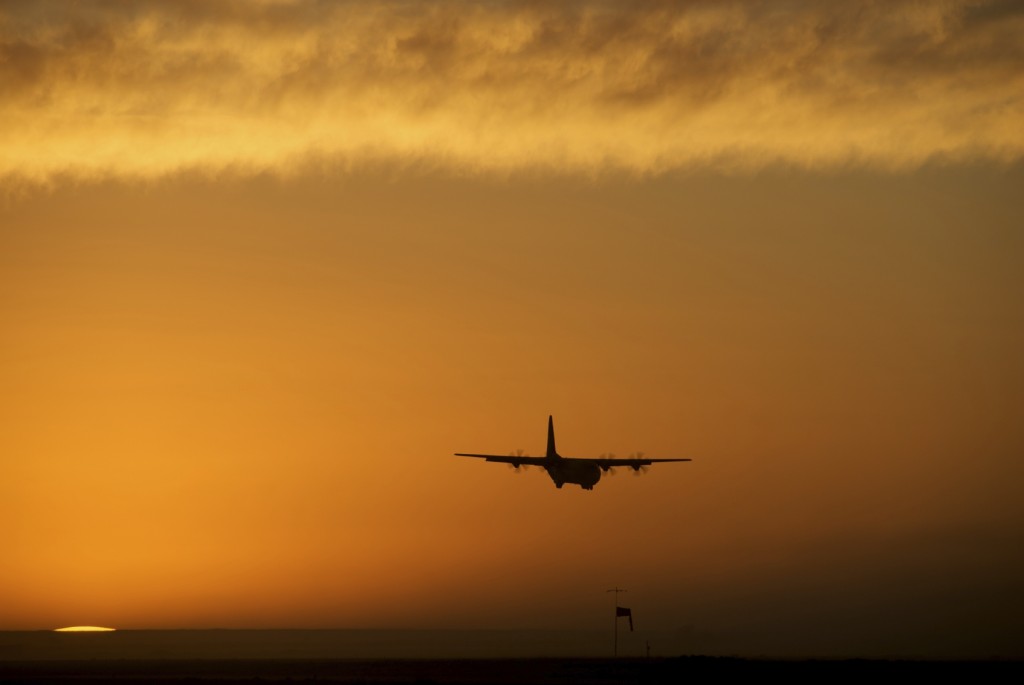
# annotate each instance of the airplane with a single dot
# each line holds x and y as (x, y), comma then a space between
(582, 472)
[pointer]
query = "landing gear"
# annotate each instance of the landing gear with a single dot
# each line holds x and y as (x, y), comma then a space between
(559, 484)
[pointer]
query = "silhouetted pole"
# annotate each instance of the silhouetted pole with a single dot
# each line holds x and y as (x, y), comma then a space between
(616, 590)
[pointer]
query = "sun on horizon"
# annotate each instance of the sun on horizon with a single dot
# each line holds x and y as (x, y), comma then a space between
(84, 629)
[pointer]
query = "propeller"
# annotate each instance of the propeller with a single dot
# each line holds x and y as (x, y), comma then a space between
(518, 468)
(607, 468)
(639, 470)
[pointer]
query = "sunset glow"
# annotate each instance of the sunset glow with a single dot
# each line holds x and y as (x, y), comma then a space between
(265, 266)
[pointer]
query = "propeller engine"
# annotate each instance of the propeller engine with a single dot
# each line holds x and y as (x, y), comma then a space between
(607, 468)
(639, 470)
(515, 466)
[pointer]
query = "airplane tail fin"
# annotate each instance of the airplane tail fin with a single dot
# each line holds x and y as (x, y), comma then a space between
(551, 438)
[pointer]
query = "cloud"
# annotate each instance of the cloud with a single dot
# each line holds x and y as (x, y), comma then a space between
(147, 89)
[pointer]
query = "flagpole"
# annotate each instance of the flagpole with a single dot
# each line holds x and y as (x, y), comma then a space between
(615, 648)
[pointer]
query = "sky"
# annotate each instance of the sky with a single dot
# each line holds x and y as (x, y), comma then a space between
(265, 266)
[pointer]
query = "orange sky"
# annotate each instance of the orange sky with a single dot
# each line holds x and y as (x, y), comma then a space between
(242, 336)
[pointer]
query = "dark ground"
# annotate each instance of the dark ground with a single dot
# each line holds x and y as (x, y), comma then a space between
(492, 671)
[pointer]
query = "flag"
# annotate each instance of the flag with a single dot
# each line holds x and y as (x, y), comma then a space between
(623, 611)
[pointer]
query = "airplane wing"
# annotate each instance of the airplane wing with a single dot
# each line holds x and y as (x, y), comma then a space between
(635, 462)
(515, 461)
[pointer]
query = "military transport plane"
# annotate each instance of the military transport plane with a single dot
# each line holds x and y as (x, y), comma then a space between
(583, 472)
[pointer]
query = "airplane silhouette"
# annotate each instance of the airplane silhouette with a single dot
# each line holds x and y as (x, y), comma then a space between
(583, 472)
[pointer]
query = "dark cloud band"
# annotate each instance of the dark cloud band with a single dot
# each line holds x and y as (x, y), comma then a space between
(153, 88)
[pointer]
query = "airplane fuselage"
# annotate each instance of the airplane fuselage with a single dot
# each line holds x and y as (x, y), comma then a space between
(577, 471)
